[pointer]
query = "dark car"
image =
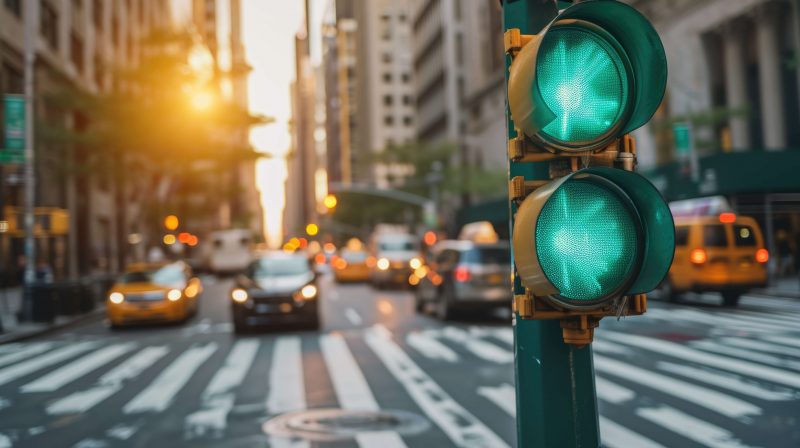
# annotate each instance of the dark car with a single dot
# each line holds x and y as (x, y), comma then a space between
(277, 288)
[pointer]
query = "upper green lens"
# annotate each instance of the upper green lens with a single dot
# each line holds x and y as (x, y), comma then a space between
(582, 80)
(586, 240)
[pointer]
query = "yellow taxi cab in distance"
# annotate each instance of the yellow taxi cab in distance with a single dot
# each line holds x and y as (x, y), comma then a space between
(351, 266)
(723, 253)
(153, 293)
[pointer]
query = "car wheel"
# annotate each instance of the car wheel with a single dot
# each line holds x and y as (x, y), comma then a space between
(731, 298)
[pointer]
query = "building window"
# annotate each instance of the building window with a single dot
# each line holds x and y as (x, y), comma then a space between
(407, 100)
(405, 77)
(76, 51)
(387, 100)
(401, 17)
(387, 58)
(97, 14)
(115, 32)
(387, 77)
(388, 120)
(407, 120)
(48, 22)
(99, 72)
(15, 81)
(15, 6)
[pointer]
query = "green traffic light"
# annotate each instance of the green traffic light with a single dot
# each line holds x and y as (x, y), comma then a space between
(583, 80)
(587, 240)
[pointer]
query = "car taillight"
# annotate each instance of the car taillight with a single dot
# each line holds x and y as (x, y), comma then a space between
(762, 256)
(462, 274)
(698, 256)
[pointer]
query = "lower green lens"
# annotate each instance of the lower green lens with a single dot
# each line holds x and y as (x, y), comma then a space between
(582, 80)
(586, 240)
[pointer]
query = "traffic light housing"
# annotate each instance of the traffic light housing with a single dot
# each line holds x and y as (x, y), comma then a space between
(592, 240)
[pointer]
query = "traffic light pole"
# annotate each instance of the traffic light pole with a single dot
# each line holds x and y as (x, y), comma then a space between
(556, 400)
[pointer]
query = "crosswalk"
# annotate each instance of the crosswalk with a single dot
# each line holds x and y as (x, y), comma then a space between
(718, 389)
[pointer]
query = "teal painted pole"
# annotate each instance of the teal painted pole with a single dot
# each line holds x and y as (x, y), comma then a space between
(556, 401)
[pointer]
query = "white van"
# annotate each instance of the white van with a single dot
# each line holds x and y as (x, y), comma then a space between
(229, 251)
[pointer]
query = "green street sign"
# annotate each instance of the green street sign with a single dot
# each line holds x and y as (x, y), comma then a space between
(14, 129)
(683, 138)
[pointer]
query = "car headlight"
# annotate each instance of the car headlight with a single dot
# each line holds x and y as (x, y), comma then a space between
(116, 297)
(414, 263)
(239, 295)
(174, 295)
(383, 264)
(308, 292)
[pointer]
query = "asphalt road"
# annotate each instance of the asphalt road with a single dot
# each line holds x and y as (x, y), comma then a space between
(686, 375)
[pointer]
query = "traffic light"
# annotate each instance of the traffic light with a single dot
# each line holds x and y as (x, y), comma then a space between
(591, 240)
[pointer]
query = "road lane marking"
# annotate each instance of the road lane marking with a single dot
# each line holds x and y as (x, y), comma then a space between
(219, 396)
(286, 386)
(16, 371)
(689, 354)
(707, 398)
(5, 441)
(719, 320)
(159, 394)
(460, 426)
(478, 347)
(746, 354)
(353, 316)
(726, 380)
(692, 428)
(503, 396)
(27, 352)
(76, 369)
(108, 384)
(352, 390)
(430, 347)
(616, 436)
(761, 346)
(612, 392)
(502, 333)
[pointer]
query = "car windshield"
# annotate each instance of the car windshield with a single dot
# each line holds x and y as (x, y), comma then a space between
(354, 257)
(165, 276)
(487, 255)
(278, 267)
(396, 246)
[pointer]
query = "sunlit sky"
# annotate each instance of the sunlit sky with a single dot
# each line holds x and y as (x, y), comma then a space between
(269, 27)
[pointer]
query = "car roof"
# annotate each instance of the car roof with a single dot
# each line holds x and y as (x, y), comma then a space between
(708, 220)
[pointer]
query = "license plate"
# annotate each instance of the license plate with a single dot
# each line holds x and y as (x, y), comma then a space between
(496, 279)
(265, 308)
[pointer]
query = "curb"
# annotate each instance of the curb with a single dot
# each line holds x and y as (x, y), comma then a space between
(97, 313)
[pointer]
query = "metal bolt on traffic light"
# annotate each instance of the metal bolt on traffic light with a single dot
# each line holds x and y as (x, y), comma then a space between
(589, 242)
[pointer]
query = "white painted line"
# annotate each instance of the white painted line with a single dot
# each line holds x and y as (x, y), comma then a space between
(612, 392)
(109, 384)
(27, 352)
(219, 396)
(286, 386)
(463, 428)
(478, 347)
(718, 320)
(5, 441)
(76, 369)
(791, 342)
(504, 396)
(504, 334)
(122, 431)
(16, 371)
(707, 398)
(761, 346)
(689, 354)
(353, 316)
(602, 346)
(692, 428)
(749, 355)
(728, 381)
(613, 435)
(774, 321)
(12, 347)
(158, 396)
(430, 347)
(770, 317)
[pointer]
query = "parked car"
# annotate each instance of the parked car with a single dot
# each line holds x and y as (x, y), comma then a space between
(153, 292)
(465, 276)
(396, 256)
(276, 288)
(723, 253)
(351, 266)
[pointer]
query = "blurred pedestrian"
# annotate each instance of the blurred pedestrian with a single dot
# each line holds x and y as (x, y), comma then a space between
(44, 273)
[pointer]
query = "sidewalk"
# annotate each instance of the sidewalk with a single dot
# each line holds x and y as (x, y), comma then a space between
(14, 330)
(783, 287)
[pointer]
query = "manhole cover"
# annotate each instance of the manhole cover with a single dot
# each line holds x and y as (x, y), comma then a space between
(327, 425)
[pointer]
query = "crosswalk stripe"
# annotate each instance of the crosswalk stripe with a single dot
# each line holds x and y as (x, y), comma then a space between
(707, 398)
(76, 369)
(770, 317)
(286, 386)
(690, 427)
(504, 334)
(689, 354)
(792, 342)
(430, 347)
(599, 345)
(718, 320)
(478, 347)
(749, 355)
(219, 396)
(157, 396)
(776, 322)
(463, 428)
(504, 396)
(761, 346)
(108, 384)
(612, 392)
(613, 435)
(352, 390)
(12, 347)
(726, 380)
(16, 371)
(26, 352)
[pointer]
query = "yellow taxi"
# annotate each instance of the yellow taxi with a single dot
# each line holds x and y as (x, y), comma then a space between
(351, 266)
(723, 253)
(153, 292)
